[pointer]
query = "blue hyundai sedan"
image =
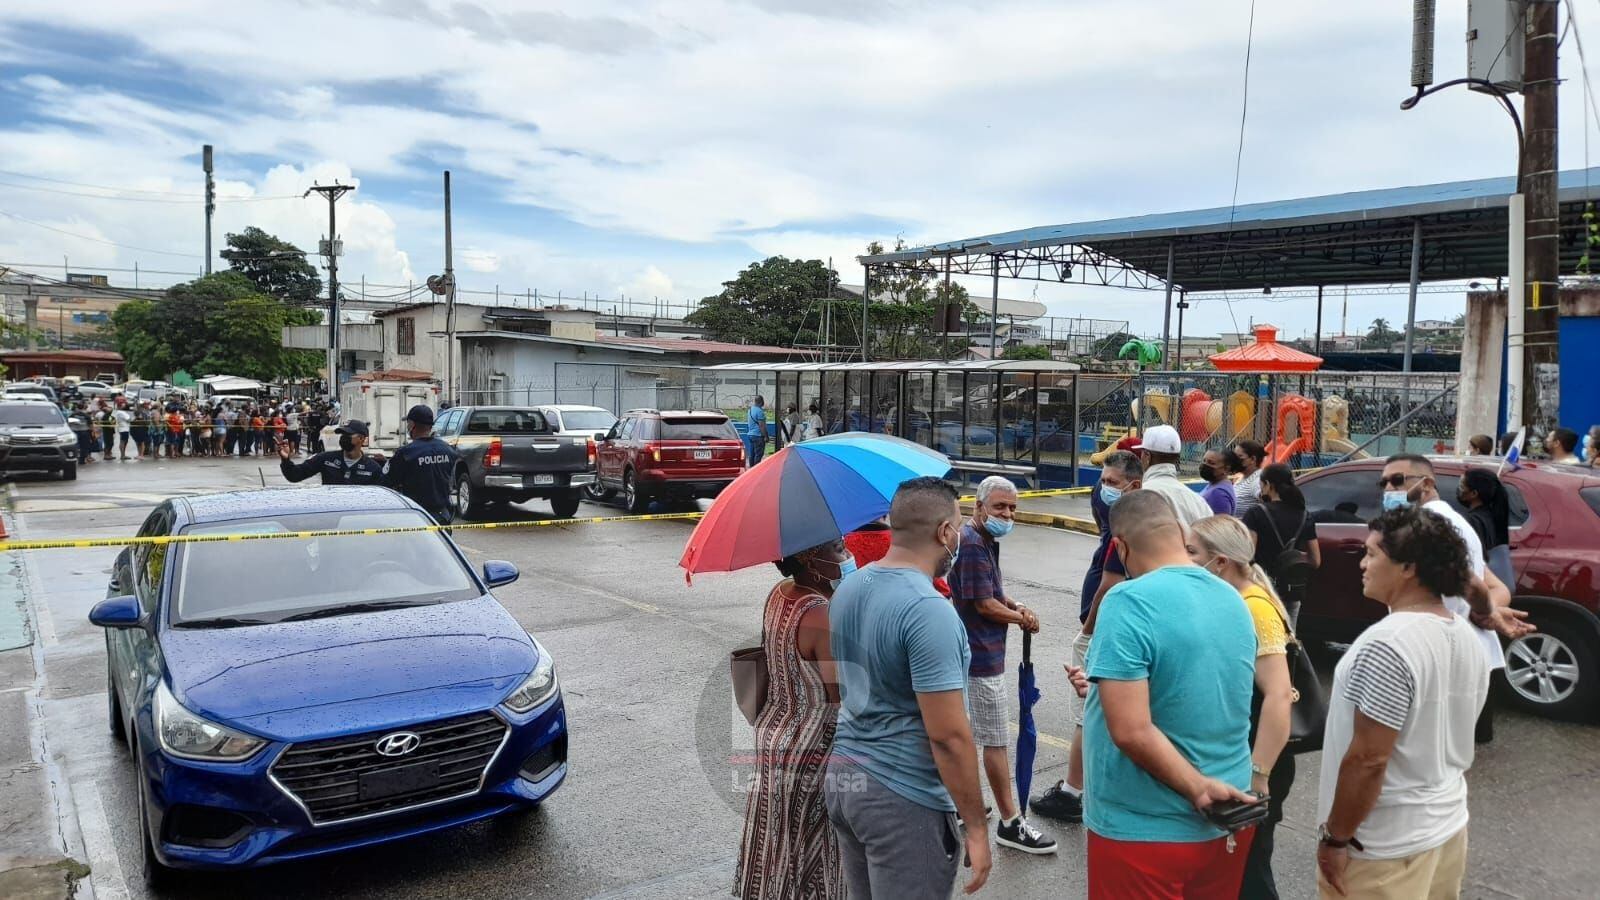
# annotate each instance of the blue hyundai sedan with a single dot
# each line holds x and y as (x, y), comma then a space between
(289, 697)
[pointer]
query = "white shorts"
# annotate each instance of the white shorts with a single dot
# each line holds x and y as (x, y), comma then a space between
(1080, 658)
(988, 699)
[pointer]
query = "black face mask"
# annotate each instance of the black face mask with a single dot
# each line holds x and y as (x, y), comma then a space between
(1209, 473)
(347, 442)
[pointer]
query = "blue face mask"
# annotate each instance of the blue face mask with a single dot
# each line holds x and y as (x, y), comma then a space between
(1110, 494)
(1395, 500)
(998, 528)
(847, 566)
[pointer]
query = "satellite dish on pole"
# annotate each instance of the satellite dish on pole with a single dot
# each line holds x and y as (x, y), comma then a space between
(439, 284)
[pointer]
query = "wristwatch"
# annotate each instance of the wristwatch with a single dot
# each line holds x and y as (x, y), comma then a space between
(1256, 769)
(1326, 839)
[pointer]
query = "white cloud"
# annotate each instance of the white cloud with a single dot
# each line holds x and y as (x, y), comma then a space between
(480, 260)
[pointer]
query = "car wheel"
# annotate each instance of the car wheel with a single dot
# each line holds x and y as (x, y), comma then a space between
(637, 502)
(1554, 671)
(119, 731)
(69, 472)
(565, 506)
(598, 492)
(468, 504)
(155, 873)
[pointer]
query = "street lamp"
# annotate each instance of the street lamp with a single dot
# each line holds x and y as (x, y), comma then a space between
(1517, 221)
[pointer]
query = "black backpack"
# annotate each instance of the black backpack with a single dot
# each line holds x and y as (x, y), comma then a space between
(1291, 568)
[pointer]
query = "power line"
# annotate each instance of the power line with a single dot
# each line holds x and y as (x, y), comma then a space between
(84, 237)
(101, 187)
(1238, 157)
(179, 201)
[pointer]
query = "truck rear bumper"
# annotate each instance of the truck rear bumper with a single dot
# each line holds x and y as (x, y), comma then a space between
(558, 481)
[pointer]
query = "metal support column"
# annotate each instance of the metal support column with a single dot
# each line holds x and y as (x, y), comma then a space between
(1318, 344)
(1166, 319)
(1416, 277)
(1183, 304)
(1077, 426)
(866, 299)
(1036, 426)
(994, 307)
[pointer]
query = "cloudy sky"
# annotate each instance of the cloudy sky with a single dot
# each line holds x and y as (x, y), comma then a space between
(653, 148)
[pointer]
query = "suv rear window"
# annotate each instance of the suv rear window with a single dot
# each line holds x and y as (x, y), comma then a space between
(703, 428)
(30, 414)
(1591, 496)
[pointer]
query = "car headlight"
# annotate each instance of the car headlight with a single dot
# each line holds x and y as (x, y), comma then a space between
(68, 438)
(537, 688)
(185, 734)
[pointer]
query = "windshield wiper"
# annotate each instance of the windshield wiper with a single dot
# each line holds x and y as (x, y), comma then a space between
(223, 622)
(352, 608)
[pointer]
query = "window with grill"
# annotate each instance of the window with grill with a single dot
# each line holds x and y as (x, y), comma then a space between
(406, 336)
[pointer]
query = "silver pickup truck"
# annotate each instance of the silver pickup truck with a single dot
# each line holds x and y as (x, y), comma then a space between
(510, 454)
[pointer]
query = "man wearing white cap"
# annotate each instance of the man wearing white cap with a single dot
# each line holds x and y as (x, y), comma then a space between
(1160, 450)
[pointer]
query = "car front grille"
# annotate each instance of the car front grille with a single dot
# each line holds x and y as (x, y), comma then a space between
(326, 776)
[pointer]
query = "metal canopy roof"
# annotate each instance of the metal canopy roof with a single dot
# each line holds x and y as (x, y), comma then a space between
(1356, 238)
(981, 365)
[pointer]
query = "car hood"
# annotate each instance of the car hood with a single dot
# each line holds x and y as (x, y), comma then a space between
(360, 672)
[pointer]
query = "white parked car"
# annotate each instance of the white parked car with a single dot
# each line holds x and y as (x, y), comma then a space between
(96, 389)
(591, 421)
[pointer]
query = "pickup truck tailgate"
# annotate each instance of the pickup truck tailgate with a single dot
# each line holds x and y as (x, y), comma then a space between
(542, 453)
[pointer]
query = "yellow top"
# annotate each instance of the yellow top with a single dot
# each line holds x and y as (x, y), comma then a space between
(1272, 636)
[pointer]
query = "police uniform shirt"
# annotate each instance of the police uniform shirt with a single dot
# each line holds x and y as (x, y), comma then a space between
(334, 469)
(422, 471)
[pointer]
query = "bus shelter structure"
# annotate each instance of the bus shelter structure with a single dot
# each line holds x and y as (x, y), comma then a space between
(1018, 418)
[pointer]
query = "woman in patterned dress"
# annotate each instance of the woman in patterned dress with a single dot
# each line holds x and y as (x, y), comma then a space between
(789, 849)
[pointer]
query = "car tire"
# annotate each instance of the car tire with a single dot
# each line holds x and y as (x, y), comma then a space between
(119, 730)
(469, 503)
(598, 493)
(69, 472)
(153, 871)
(637, 501)
(565, 506)
(1555, 671)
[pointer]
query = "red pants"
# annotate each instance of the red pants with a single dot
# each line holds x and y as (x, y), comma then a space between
(1148, 870)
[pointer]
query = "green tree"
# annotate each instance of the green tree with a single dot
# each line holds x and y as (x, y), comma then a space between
(771, 302)
(1025, 351)
(276, 267)
(217, 324)
(1107, 348)
(1380, 336)
(903, 312)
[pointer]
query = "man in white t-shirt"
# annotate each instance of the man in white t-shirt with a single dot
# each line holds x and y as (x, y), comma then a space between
(1399, 739)
(1159, 450)
(124, 420)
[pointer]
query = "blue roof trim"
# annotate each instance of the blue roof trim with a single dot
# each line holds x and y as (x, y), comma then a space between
(1356, 206)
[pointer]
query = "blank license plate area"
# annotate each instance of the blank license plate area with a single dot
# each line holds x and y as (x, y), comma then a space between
(544, 479)
(702, 454)
(403, 780)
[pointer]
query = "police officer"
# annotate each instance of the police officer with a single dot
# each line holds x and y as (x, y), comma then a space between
(423, 468)
(347, 465)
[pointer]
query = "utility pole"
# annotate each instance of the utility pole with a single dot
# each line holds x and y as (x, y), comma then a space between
(449, 300)
(211, 199)
(1542, 238)
(331, 249)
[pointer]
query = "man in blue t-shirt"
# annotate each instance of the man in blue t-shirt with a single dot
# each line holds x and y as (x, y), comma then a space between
(1166, 730)
(756, 418)
(903, 761)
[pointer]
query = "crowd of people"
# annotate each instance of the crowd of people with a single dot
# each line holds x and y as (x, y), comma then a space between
(124, 429)
(888, 703)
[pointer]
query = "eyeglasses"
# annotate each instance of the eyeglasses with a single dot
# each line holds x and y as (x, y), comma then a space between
(1397, 480)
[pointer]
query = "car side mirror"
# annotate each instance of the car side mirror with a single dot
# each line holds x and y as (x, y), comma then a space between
(498, 572)
(117, 612)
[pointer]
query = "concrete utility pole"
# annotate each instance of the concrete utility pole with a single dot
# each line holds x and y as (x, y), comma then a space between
(331, 250)
(211, 200)
(450, 300)
(1542, 241)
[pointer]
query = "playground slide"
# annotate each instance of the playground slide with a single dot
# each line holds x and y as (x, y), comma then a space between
(1342, 447)
(1281, 453)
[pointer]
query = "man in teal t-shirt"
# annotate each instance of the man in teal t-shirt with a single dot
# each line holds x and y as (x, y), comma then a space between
(904, 762)
(1166, 729)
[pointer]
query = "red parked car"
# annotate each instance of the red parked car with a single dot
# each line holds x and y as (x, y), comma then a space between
(650, 455)
(1555, 553)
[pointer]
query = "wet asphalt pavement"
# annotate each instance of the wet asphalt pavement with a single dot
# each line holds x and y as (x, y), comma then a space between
(650, 807)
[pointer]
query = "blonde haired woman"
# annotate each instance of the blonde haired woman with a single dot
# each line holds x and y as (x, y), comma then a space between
(1223, 546)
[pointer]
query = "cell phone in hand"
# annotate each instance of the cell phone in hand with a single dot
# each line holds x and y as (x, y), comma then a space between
(1233, 815)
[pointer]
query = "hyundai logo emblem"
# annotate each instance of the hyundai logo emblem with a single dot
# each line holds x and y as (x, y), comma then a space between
(398, 744)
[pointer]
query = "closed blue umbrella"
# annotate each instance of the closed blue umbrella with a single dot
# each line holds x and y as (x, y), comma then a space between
(1027, 732)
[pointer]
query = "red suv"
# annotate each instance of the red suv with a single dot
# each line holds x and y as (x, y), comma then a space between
(651, 455)
(1555, 553)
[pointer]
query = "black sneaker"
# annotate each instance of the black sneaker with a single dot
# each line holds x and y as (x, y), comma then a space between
(1060, 804)
(1019, 835)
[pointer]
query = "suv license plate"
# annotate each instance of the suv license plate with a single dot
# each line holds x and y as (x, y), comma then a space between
(702, 454)
(544, 479)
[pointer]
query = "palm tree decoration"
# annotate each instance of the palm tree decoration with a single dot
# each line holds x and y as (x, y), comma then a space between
(1148, 353)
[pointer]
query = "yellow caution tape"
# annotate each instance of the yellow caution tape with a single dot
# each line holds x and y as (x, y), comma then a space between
(334, 532)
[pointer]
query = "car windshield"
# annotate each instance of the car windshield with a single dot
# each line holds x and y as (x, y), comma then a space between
(30, 414)
(702, 429)
(261, 581)
(592, 420)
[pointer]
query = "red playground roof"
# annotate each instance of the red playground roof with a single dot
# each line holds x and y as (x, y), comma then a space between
(1266, 355)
